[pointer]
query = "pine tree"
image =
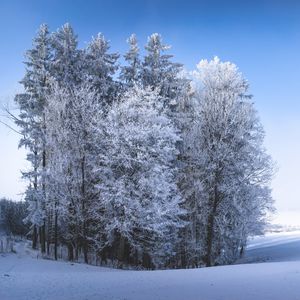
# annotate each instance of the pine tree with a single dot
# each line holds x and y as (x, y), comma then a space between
(100, 68)
(130, 74)
(67, 61)
(159, 72)
(32, 123)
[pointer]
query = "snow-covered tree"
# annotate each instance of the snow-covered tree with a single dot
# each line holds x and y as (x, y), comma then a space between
(137, 185)
(130, 73)
(66, 66)
(100, 68)
(232, 167)
(31, 120)
(159, 72)
(70, 146)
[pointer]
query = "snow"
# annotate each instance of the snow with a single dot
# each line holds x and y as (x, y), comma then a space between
(274, 247)
(274, 239)
(23, 276)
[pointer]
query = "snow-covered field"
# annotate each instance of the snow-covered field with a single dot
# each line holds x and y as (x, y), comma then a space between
(23, 276)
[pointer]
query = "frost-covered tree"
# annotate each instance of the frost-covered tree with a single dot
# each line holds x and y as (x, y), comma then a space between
(100, 67)
(232, 167)
(192, 236)
(130, 74)
(66, 66)
(159, 72)
(31, 121)
(71, 155)
(137, 185)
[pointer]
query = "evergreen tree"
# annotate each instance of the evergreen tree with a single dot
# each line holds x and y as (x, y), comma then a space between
(32, 123)
(159, 72)
(130, 74)
(66, 66)
(100, 68)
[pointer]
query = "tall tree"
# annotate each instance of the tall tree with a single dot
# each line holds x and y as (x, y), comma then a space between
(100, 68)
(137, 181)
(159, 72)
(130, 74)
(67, 61)
(32, 123)
(70, 147)
(234, 168)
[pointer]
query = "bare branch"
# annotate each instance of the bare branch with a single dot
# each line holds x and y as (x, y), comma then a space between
(11, 128)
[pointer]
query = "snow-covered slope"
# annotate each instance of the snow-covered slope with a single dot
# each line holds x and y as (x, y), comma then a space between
(273, 239)
(274, 247)
(23, 276)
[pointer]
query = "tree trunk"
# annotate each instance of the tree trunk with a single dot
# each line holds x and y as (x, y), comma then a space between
(146, 260)
(210, 228)
(34, 237)
(43, 238)
(55, 235)
(121, 251)
(49, 228)
(43, 241)
(241, 251)
(85, 243)
(70, 252)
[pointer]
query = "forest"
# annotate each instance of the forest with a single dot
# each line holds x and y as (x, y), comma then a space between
(136, 162)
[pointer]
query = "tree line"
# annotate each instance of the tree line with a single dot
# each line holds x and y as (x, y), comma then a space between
(140, 163)
(12, 214)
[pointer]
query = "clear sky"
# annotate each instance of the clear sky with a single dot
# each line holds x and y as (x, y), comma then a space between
(261, 37)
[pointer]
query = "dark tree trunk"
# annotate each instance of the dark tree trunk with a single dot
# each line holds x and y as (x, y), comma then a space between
(121, 251)
(70, 252)
(55, 235)
(43, 231)
(49, 228)
(35, 231)
(34, 237)
(43, 238)
(85, 253)
(210, 228)
(76, 251)
(83, 191)
(147, 261)
(242, 252)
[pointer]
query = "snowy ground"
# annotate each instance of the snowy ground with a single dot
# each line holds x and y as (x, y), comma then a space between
(23, 276)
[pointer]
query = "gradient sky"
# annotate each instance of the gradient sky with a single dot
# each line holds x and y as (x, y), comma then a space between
(261, 37)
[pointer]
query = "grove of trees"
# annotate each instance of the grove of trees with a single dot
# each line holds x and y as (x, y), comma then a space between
(142, 164)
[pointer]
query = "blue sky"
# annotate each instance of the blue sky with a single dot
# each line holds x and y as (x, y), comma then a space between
(261, 37)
